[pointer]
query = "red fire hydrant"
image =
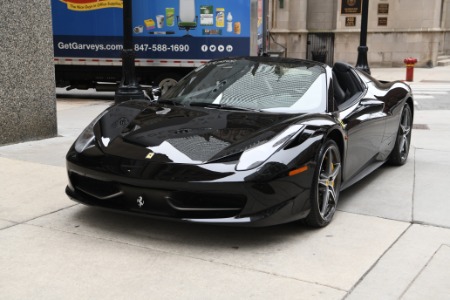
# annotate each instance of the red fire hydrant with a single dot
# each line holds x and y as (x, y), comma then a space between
(410, 62)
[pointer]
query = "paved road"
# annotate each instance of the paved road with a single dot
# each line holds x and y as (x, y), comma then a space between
(390, 238)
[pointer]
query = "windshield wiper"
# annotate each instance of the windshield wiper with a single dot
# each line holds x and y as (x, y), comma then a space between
(222, 106)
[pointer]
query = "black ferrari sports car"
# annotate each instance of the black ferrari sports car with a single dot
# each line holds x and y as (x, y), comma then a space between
(250, 141)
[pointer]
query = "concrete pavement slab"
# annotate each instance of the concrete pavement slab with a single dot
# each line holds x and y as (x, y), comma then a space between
(436, 138)
(386, 193)
(30, 190)
(75, 115)
(5, 224)
(435, 119)
(66, 265)
(335, 256)
(433, 281)
(49, 151)
(396, 271)
(431, 202)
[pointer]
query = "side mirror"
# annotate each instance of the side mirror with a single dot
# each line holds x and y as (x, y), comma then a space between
(372, 105)
(367, 107)
(154, 93)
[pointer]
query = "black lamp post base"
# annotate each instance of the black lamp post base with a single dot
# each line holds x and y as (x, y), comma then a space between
(362, 63)
(129, 88)
(125, 93)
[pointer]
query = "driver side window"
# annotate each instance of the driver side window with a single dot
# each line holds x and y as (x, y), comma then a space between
(345, 85)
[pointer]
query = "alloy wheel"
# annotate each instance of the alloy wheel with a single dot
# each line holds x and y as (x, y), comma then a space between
(329, 182)
(405, 130)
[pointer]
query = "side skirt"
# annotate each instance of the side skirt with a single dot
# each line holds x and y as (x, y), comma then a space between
(360, 175)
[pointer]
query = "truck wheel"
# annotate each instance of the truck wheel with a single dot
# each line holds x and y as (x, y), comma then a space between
(166, 81)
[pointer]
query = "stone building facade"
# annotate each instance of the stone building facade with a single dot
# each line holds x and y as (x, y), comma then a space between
(396, 29)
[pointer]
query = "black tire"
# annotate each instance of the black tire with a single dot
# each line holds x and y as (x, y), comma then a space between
(166, 81)
(326, 185)
(399, 154)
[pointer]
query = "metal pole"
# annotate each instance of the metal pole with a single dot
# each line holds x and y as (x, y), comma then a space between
(128, 88)
(265, 9)
(362, 63)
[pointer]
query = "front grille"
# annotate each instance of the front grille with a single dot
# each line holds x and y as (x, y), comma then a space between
(158, 202)
(99, 189)
(206, 202)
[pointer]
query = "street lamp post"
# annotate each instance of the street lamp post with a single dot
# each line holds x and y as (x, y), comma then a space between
(128, 88)
(362, 63)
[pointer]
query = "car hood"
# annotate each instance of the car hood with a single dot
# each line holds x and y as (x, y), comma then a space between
(179, 134)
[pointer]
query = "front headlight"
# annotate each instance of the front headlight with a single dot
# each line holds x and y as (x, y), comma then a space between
(254, 157)
(86, 138)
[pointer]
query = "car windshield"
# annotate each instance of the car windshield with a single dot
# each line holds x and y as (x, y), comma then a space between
(285, 86)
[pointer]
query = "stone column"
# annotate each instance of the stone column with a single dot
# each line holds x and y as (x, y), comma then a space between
(445, 24)
(27, 79)
(289, 26)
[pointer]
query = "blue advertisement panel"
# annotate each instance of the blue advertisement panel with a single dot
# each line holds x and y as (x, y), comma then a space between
(170, 29)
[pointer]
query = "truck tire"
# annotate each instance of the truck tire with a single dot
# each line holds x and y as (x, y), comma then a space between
(166, 81)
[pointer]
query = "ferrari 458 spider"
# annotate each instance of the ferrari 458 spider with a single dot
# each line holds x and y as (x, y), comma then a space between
(251, 140)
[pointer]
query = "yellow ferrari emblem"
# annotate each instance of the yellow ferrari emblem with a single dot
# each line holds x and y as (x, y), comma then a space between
(149, 155)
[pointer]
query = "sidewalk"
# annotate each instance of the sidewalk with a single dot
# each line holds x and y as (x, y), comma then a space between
(390, 238)
(437, 74)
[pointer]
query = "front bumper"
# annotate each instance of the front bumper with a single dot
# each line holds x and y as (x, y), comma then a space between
(241, 203)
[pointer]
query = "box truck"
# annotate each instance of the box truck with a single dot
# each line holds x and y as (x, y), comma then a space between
(170, 37)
